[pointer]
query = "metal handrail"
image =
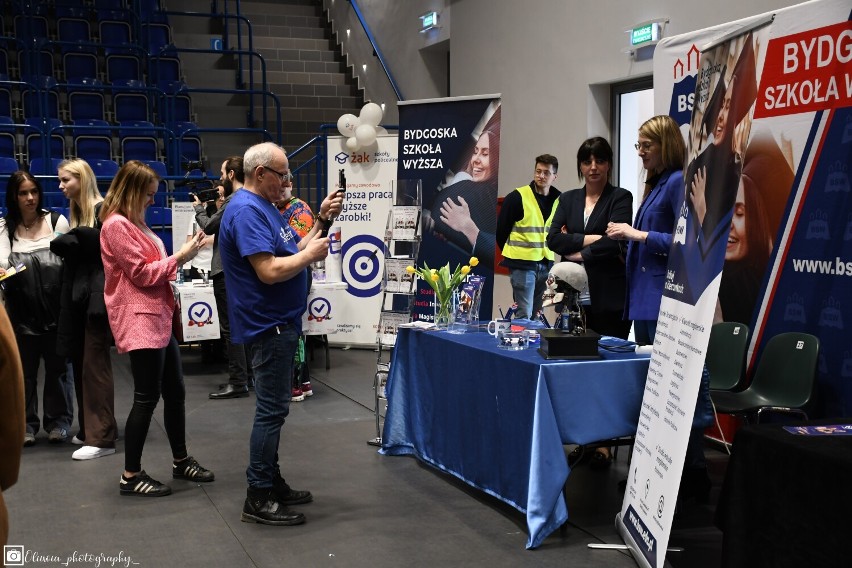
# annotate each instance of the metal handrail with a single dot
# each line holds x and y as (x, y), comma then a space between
(225, 39)
(376, 49)
(169, 52)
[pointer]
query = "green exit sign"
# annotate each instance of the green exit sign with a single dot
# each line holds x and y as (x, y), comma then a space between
(646, 33)
(428, 21)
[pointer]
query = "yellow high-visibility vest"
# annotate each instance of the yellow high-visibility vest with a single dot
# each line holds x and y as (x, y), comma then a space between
(527, 241)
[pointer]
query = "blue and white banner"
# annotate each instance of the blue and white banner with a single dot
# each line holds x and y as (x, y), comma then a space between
(370, 174)
(453, 146)
(766, 113)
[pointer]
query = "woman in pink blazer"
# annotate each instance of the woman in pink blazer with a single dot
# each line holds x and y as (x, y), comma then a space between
(140, 304)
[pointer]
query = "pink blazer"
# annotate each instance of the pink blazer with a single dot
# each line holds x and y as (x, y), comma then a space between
(138, 296)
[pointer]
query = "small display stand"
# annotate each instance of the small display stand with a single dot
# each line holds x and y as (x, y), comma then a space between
(402, 243)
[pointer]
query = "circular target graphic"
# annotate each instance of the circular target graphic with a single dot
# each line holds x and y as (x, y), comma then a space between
(363, 257)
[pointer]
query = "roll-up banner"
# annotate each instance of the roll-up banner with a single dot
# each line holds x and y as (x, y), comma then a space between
(453, 146)
(764, 105)
(370, 173)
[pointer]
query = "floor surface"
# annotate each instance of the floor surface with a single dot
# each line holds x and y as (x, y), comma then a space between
(369, 510)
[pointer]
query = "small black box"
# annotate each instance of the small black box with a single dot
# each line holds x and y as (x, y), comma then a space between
(558, 344)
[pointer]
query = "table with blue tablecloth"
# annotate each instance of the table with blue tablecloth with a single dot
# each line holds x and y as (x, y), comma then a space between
(498, 419)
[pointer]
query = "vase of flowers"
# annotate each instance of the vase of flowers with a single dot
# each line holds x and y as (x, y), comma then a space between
(445, 284)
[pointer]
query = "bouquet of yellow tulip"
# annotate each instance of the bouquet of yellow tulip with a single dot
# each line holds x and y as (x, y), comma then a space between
(444, 283)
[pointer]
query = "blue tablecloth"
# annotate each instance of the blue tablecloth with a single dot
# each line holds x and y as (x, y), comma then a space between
(498, 419)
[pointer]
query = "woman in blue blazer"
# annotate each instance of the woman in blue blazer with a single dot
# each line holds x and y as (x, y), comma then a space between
(663, 151)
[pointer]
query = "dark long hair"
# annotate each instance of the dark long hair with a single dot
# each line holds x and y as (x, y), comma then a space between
(13, 210)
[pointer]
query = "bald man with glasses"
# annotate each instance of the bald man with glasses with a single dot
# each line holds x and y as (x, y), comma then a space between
(265, 264)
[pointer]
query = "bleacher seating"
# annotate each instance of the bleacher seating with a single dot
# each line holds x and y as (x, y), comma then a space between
(98, 79)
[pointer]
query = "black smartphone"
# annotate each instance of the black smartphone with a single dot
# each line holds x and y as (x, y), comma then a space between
(341, 181)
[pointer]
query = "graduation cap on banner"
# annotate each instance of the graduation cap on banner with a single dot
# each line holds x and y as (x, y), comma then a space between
(744, 76)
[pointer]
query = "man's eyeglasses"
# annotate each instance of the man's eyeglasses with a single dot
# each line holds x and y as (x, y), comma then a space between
(643, 146)
(544, 173)
(283, 177)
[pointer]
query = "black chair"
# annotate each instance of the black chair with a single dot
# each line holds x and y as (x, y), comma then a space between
(783, 380)
(726, 355)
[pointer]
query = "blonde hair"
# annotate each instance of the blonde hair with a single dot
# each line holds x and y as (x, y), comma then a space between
(83, 209)
(128, 192)
(664, 130)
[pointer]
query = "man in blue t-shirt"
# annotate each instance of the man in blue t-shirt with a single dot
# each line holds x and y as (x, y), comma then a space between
(264, 262)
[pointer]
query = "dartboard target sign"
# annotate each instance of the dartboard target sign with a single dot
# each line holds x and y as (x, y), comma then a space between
(363, 258)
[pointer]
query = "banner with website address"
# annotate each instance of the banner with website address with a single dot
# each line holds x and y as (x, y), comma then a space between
(770, 134)
(795, 175)
(453, 146)
(370, 174)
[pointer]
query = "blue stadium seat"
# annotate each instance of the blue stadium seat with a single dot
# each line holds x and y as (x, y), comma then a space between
(122, 68)
(35, 134)
(8, 165)
(80, 63)
(40, 97)
(31, 26)
(165, 70)
(42, 167)
(158, 216)
(136, 128)
(104, 169)
(91, 127)
(115, 33)
(130, 106)
(53, 199)
(83, 105)
(8, 140)
(161, 170)
(73, 29)
(5, 101)
(93, 147)
(139, 148)
(110, 5)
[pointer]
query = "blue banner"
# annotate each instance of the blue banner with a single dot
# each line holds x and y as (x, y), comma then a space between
(453, 147)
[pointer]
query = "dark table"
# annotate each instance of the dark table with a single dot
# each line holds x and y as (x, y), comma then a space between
(787, 499)
(498, 419)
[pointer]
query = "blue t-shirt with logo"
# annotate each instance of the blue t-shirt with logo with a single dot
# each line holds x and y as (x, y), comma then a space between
(252, 225)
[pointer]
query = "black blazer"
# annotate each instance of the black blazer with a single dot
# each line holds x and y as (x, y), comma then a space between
(603, 259)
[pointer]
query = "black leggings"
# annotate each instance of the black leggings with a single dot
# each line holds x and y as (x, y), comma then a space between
(155, 371)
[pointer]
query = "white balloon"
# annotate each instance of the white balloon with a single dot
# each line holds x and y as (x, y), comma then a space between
(371, 114)
(381, 130)
(352, 144)
(365, 134)
(347, 124)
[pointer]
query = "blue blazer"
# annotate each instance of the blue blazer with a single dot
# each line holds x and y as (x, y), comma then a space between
(646, 262)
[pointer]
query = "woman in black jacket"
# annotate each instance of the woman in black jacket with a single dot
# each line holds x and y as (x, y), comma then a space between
(32, 297)
(578, 233)
(84, 334)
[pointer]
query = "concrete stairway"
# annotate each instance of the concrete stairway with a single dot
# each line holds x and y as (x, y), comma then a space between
(304, 68)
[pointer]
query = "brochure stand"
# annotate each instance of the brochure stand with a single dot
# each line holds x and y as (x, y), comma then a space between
(402, 243)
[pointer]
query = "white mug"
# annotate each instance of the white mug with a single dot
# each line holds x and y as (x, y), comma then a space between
(496, 326)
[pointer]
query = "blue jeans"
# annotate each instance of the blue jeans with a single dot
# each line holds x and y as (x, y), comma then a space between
(527, 288)
(272, 361)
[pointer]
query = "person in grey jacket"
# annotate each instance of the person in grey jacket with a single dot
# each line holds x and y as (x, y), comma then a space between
(238, 380)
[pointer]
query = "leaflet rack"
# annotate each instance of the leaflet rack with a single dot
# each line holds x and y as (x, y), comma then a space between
(402, 243)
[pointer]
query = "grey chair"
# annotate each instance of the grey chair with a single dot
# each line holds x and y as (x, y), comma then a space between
(726, 354)
(783, 380)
